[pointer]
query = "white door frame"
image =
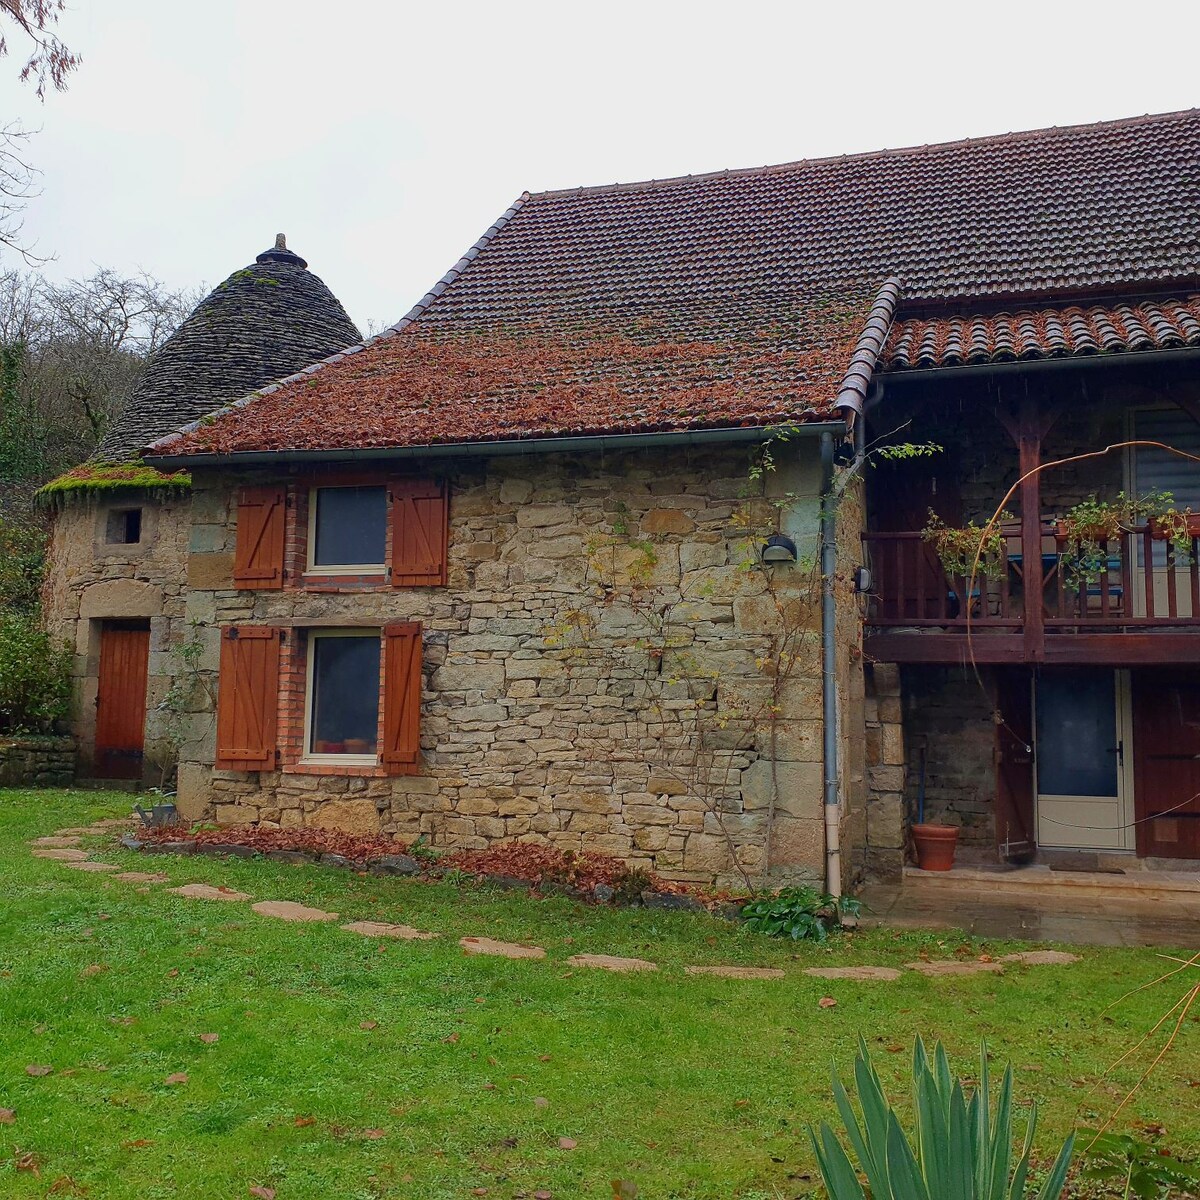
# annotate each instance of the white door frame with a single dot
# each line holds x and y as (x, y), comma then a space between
(1063, 834)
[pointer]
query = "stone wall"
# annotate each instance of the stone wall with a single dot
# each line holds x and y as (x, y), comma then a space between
(90, 579)
(880, 850)
(599, 672)
(36, 761)
(948, 717)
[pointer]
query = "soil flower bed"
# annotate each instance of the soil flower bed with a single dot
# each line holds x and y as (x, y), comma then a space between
(589, 876)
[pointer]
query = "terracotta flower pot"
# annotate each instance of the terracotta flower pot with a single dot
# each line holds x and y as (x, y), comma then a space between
(935, 846)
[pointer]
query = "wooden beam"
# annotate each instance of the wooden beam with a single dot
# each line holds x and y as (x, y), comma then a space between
(1124, 649)
(1029, 446)
(944, 648)
(1061, 649)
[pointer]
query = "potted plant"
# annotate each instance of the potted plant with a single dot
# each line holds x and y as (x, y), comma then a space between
(933, 844)
(970, 550)
(1086, 530)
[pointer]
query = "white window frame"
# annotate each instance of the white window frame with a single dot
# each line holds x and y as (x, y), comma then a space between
(308, 756)
(312, 567)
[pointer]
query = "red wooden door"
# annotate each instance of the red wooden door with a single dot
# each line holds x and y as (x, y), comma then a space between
(1166, 747)
(121, 700)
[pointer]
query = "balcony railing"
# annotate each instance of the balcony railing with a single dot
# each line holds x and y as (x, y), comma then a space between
(1135, 581)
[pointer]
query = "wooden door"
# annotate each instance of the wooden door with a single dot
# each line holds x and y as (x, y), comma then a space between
(1014, 763)
(121, 699)
(1166, 748)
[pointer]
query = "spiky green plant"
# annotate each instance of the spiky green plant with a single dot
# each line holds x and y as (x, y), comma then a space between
(961, 1150)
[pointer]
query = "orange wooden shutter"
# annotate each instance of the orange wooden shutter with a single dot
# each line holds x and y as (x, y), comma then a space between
(247, 697)
(402, 697)
(258, 561)
(420, 531)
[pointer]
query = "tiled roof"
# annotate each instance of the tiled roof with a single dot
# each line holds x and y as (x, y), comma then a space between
(751, 270)
(266, 320)
(1031, 334)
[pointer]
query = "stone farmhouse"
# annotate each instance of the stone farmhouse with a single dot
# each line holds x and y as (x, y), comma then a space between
(612, 541)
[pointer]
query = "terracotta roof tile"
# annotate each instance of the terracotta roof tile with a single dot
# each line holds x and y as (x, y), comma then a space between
(1044, 333)
(726, 299)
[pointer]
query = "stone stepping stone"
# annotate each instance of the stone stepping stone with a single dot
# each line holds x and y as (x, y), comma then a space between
(857, 973)
(204, 891)
(954, 967)
(383, 929)
(57, 842)
(112, 823)
(608, 962)
(483, 945)
(289, 910)
(1041, 958)
(141, 877)
(737, 972)
(60, 855)
(91, 866)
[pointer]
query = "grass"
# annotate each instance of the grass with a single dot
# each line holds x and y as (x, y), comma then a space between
(692, 1087)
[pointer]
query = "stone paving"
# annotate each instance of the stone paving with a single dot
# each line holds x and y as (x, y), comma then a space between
(55, 849)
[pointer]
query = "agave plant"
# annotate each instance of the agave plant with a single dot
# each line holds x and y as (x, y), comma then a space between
(961, 1150)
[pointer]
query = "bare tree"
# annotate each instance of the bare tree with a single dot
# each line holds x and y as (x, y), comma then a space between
(70, 356)
(48, 63)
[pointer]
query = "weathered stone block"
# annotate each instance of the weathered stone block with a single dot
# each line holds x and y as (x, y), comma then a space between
(357, 817)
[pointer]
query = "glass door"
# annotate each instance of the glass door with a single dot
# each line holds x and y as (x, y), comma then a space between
(1081, 748)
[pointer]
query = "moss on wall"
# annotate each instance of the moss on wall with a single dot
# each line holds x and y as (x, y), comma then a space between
(108, 479)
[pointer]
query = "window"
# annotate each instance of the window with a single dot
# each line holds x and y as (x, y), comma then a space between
(347, 531)
(124, 527)
(342, 718)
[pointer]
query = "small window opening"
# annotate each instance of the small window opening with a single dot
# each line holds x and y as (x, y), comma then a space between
(343, 693)
(348, 532)
(124, 526)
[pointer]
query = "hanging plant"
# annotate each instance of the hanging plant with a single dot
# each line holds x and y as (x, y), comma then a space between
(971, 549)
(1087, 528)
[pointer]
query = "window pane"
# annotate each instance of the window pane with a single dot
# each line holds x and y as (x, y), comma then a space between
(350, 526)
(345, 703)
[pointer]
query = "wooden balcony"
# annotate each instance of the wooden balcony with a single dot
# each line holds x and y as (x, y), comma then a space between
(1140, 602)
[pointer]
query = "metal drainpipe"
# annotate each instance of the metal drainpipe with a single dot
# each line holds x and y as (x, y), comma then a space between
(832, 806)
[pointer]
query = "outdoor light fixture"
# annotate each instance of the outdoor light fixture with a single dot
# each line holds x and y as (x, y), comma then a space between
(779, 548)
(863, 579)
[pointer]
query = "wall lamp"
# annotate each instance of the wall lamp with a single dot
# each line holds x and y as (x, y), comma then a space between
(779, 548)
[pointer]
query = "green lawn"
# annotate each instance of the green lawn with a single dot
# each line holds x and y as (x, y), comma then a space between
(691, 1087)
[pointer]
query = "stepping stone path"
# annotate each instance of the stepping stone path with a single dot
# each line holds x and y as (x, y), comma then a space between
(608, 962)
(62, 847)
(203, 891)
(737, 972)
(289, 910)
(856, 973)
(954, 966)
(1041, 958)
(483, 945)
(383, 929)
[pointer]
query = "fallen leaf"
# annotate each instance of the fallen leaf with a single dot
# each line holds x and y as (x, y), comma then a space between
(543, 1195)
(210, 1038)
(368, 1025)
(543, 1058)
(263, 1193)
(493, 1062)
(827, 1002)
(39, 1029)
(741, 1104)
(172, 972)
(565, 1143)
(374, 1134)
(509, 1143)
(479, 1191)
(178, 1077)
(7, 1116)
(27, 1162)
(489, 1087)
(624, 1190)
(451, 1039)
(65, 1185)
(137, 1144)
(541, 1102)
(894, 1049)
(93, 969)
(304, 1122)
(37, 1070)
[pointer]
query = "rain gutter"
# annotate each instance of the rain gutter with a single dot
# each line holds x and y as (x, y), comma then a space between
(489, 449)
(1081, 362)
(829, 706)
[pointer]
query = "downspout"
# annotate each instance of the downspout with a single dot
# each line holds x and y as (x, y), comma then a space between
(832, 767)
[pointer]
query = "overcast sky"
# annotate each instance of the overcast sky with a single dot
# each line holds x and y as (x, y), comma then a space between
(383, 137)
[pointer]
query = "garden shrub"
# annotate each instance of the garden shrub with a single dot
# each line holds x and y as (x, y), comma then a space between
(22, 564)
(35, 676)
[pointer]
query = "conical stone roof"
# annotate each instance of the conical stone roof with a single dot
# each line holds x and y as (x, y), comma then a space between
(264, 322)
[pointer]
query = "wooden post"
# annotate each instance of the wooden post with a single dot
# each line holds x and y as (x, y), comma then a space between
(1029, 429)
